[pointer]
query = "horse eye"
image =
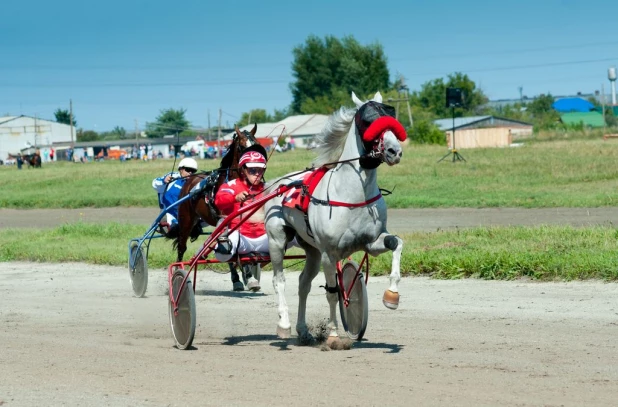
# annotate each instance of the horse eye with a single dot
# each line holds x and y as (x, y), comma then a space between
(391, 151)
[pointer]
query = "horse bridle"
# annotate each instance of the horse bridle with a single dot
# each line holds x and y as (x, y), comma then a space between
(364, 117)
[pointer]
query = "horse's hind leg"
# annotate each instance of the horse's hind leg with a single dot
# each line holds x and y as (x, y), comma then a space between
(184, 230)
(384, 243)
(329, 265)
(276, 244)
(311, 269)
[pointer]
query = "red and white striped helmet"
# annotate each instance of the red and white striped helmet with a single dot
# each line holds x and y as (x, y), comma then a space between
(252, 159)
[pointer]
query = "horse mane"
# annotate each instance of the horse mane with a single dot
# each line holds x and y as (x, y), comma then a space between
(332, 138)
(226, 161)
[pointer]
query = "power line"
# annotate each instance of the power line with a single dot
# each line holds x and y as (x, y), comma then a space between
(504, 52)
(514, 67)
(139, 85)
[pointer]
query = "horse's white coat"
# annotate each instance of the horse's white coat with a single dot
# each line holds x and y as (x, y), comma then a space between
(336, 232)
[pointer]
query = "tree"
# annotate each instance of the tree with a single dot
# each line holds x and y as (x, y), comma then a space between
(169, 121)
(328, 70)
(255, 116)
(64, 116)
(87, 135)
(432, 96)
(541, 105)
(119, 132)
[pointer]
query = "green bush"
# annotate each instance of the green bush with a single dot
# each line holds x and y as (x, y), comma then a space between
(425, 132)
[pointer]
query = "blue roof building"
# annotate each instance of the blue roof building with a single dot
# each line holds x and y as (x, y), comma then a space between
(572, 105)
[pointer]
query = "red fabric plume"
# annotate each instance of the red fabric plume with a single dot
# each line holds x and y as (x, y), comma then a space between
(382, 124)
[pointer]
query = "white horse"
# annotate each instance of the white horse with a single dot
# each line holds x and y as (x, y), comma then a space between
(346, 214)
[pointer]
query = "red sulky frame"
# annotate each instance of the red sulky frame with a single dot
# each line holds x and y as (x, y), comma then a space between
(211, 242)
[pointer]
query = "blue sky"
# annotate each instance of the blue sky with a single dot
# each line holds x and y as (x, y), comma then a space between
(124, 61)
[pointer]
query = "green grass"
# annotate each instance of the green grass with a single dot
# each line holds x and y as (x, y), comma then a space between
(571, 173)
(579, 173)
(542, 253)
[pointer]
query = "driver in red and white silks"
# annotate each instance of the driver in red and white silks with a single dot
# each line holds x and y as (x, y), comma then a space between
(237, 193)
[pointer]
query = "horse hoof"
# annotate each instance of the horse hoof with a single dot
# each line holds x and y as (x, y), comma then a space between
(253, 284)
(333, 342)
(390, 299)
(284, 333)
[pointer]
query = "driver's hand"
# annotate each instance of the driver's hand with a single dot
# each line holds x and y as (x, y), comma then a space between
(167, 179)
(241, 197)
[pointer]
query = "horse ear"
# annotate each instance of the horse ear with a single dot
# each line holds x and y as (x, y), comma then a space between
(377, 97)
(237, 130)
(253, 130)
(356, 100)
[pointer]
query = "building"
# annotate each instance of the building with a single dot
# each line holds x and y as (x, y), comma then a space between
(301, 128)
(19, 133)
(565, 105)
(483, 131)
(587, 119)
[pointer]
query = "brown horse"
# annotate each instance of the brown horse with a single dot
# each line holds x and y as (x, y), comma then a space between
(201, 208)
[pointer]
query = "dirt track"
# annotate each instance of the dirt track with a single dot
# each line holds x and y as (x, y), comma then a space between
(73, 335)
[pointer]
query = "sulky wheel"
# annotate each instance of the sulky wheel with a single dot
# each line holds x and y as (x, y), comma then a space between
(183, 321)
(354, 317)
(138, 270)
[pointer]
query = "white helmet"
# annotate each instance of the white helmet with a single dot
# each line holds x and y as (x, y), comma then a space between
(188, 163)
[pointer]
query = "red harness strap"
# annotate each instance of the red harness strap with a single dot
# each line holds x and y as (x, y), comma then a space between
(309, 185)
(311, 182)
(354, 205)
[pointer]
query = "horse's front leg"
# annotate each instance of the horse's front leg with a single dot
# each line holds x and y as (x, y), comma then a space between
(384, 243)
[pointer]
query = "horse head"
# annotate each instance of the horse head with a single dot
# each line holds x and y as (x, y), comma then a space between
(246, 138)
(380, 131)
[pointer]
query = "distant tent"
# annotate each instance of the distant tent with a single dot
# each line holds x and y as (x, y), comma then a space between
(572, 105)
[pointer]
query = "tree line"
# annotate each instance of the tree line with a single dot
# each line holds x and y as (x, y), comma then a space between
(326, 70)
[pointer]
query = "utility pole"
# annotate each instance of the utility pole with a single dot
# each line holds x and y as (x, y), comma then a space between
(521, 94)
(136, 134)
(603, 104)
(409, 109)
(35, 133)
(219, 135)
(71, 123)
(209, 130)
(403, 99)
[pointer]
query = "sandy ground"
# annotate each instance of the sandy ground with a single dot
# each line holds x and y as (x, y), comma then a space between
(73, 335)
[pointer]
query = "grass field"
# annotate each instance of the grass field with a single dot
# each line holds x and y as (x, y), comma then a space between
(544, 253)
(547, 174)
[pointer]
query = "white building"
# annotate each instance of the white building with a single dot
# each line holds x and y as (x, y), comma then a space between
(20, 132)
(302, 128)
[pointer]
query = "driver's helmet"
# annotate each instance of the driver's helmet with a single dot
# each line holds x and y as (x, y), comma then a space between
(252, 159)
(188, 163)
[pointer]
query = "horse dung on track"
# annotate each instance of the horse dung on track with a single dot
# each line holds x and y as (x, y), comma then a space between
(346, 212)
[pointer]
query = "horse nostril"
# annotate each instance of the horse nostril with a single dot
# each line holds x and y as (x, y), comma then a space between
(392, 151)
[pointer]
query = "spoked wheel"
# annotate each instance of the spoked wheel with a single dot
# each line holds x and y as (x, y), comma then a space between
(354, 317)
(138, 270)
(182, 322)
